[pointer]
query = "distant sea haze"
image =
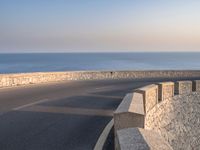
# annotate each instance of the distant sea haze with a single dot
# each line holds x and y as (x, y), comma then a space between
(45, 62)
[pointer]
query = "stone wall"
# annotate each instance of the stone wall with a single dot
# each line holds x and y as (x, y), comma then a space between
(140, 139)
(150, 96)
(7, 80)
(130, 112)
(182, 87)
(196, 85)
(166, 90)
(175, 118)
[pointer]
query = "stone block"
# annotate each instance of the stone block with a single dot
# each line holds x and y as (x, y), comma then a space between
(140, 139)
(196, 85)
(183, 87)
(150, 96)
(130, 112)
(165, 90)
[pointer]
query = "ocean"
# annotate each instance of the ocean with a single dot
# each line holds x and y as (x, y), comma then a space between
(45, 62)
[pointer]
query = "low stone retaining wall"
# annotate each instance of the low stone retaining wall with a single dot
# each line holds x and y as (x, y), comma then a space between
(7, 80)
(166, 120)
(177, 121)
(166, 90)
(183, 87)
(140, 139)
(196, 85)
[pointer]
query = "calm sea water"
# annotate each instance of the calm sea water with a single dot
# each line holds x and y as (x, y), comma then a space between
(16, 63)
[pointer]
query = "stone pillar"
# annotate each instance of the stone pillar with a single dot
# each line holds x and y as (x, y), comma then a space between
(150, 96)
(165, 90)
(183, 87)
(130, 112)
(196, 85)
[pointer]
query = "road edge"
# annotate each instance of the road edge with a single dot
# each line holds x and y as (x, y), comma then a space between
(102, 138)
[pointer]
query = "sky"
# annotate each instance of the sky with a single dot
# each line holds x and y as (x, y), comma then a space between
(99, 25)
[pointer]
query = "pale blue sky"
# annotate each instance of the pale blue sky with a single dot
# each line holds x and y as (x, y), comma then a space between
(99, 25)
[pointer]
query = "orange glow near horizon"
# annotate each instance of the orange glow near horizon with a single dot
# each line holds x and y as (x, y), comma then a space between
(100, 26)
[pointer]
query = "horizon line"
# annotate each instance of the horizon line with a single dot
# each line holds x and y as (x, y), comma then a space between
(46, 52)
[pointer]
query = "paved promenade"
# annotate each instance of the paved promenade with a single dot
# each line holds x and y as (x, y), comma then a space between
(63, 115)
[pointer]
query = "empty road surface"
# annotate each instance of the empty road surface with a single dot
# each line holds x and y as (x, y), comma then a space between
(59, 116)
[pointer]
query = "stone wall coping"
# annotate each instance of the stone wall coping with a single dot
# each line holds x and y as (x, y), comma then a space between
(187, 81)
(196, 81)
(132, 102)
(166, 83)
(138, 138)
(196, 85)
(137, 104)
(183, 87)
(125, 104)
(147, 87)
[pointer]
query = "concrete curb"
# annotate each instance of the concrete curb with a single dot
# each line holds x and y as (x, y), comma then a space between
(102, 139)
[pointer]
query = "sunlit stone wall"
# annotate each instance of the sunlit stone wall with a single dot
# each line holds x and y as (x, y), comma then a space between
(7, 80)
(165, 90)
(174, 120)
(150, 96)
(177, 120)
(182, 87)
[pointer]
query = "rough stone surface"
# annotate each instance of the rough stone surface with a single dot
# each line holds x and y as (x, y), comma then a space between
(178, 121)
(150, 96)
(7, 80)
(183, 87)
(130, 113)
(165, 90)
(196, 85)
(140, 139)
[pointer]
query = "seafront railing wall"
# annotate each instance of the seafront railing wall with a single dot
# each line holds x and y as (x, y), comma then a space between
(9, 80)
(134, 116)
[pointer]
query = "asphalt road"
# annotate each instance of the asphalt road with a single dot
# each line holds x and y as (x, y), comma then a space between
(59, 116)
